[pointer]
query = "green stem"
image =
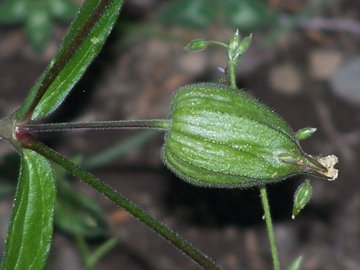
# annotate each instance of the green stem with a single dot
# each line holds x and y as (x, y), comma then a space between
(264, 198)
(100, 252)
(123, 202)
(83, 248)
(231, 70)
(215, 42)
(269, 227)
(161, 124)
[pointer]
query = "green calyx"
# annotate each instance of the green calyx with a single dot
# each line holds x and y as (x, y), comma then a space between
(222, 137)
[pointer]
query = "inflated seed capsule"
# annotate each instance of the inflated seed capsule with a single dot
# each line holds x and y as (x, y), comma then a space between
(223, 137)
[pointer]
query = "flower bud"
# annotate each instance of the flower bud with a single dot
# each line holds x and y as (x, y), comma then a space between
(223, 137)
(197, 45)
(238, 46)
(302, 197)
(245, 44)
(305, 133)
(233, 51)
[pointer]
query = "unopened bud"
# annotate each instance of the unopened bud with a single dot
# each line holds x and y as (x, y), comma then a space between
(245, 44)
(238, 46)
(197, 45)
(302, 197)
(305, 133)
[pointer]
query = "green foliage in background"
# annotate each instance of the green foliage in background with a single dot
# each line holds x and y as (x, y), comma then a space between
(77, 214)
(37, 17)
(246, 15)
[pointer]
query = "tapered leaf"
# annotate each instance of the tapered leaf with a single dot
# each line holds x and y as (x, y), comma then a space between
(31, 226)
(295, 265)
(80, 46)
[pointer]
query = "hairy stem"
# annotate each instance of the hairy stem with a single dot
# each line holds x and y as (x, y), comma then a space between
(269, 227)
(161, 124)
(231, 70)
(123, 202)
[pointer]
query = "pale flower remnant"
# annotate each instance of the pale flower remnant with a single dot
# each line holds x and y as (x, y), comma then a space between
(329, 162)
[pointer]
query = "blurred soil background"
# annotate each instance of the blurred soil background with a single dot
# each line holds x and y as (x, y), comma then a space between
(304, 62)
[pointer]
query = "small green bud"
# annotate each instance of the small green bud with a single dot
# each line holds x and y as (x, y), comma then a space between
(237, 46)
(233, 51)
(245, 44)
(197, 45)
(302, 197)
(305, 133)
(223, 137)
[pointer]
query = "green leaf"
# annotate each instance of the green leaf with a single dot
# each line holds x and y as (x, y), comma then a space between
(80, 46)
(188, 13)
(13, 11)
(30, 231)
